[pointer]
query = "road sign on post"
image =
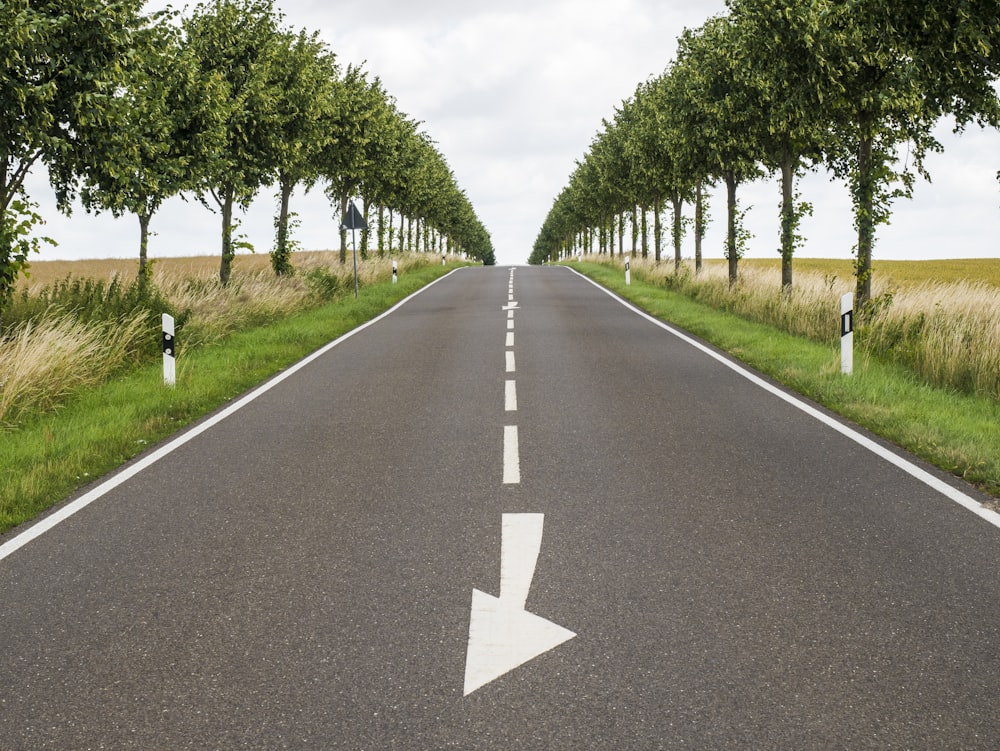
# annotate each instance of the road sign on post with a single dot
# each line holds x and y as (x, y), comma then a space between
(353, 220)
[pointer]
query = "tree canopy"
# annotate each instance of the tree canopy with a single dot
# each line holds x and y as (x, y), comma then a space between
(126, 110)
(855, 86)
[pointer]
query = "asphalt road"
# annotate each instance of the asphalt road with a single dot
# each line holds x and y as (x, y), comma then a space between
(736, 574)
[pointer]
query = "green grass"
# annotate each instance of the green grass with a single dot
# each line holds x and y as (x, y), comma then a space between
(52, 455)
(959, 433)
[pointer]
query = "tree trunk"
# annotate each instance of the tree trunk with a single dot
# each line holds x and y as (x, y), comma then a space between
(226, 265)
(343, 230)
(787, 219)
(364, 233)
(732, 251)
(635, 230)
(864, 212)
(381, 231)
(645, 231)
(678, 203)
(658, 230)
(143, 248)
(281, 255)
(699, 225)
(621, 234)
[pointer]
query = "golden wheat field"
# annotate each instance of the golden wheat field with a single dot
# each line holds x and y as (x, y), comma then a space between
(41, 273)
(891, 273)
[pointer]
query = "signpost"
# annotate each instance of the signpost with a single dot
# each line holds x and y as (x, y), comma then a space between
(353, 220)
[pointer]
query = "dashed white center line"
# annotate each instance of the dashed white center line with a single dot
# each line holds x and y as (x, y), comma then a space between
(511, 456)
(510, 396)
(511, 453)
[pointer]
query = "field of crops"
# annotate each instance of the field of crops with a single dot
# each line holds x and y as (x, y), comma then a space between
(41, 273)
(891, 273)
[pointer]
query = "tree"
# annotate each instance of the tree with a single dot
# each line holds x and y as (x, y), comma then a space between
(305, 74)
(164, 126)
(237, 43)
(722, 116)
(877, 97)
(351, 123)
(60, 64)
(780, 62)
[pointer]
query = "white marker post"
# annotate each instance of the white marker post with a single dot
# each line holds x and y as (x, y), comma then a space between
(847, 334)
(444, 259)
(628, 273)
(169, 351)
(395, 269)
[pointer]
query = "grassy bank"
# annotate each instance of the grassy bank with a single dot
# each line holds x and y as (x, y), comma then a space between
(946, 332)
(52, 453)
(958, 432)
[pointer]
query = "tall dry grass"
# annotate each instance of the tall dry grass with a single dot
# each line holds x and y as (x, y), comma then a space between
(946, 332)
(949, 333)
(43, 361)
(47, 357)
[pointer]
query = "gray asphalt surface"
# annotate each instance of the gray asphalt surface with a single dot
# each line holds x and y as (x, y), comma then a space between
(299, 576)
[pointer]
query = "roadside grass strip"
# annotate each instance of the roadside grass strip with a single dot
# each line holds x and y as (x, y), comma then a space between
(57, 453)
(958, 433)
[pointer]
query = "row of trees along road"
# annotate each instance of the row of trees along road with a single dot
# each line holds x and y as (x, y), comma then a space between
(127, 110)
(779, 86)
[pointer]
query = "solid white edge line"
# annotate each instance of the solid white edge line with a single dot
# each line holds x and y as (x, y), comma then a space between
(511, 456)
(43, 526)
(935, 483)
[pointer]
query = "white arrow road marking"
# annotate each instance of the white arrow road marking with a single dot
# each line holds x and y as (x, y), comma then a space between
(512, 306)
(502, 634)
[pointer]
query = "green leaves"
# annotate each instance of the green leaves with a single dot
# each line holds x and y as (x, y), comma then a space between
(17, 242)
(60, 65)
(128, 111)
(780, 85)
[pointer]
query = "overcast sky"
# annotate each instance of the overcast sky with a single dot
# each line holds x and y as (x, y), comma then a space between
(513, 93)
